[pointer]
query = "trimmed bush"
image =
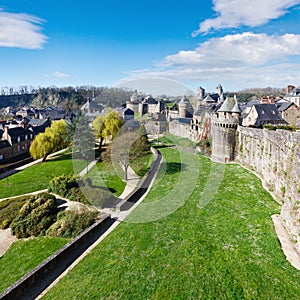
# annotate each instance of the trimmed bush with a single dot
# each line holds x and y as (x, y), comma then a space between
(9, 210)
(71, 223)
(35, 217)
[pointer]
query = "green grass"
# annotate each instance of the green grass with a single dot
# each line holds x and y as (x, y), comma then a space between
(141, 165)
(104, 174)
(36, 177)
(226, 250)
(23, 256)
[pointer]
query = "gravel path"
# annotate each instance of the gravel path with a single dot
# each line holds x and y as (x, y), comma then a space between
(6, 239)
(287, 245)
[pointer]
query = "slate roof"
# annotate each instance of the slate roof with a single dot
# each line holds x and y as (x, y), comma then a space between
(37, 122)
(38, 129)
(92, 106)
(185, 120)
(285, 106)
(17, 131)
(211, 98)
(225, 107)
(236, 108)
(150, 100)
(4, 144)
(268, 112)
(252, 102)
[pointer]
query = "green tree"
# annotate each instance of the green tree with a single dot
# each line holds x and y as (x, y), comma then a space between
(128, 146)
(106, 127)
(53, 139)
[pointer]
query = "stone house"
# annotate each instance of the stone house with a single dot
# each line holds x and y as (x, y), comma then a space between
(293, 94)
(125, 114)
(291, 113)
(15, 141)
(263, 114)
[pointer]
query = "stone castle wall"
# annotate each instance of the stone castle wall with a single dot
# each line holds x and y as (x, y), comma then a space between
(275, 157)
(223, 136)
(180, 129)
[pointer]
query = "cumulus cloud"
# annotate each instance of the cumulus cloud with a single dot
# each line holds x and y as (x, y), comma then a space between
(21, 31)
(61, 75)
(243, 60)
(237, 50)
(235, 13)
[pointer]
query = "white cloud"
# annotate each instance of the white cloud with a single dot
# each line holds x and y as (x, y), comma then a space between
(241, 60)
(235, 13)
(21, 31)
(60, 75)
(237, 50)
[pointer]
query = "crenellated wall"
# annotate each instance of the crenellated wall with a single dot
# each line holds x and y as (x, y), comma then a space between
(275, 157)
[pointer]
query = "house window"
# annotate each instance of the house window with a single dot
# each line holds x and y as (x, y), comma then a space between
(18, 139)
(31, 136)
(26, 137)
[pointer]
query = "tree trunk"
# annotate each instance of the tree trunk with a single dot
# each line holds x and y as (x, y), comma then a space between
(126, 172)
(45, 157)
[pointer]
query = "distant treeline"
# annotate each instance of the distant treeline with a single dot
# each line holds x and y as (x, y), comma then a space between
(256, 93)
(66, 97)
(71, 98)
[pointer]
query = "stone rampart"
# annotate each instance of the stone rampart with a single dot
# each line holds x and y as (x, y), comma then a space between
(275, 157)
(180, 129)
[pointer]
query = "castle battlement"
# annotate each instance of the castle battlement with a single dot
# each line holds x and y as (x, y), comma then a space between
(229, 122)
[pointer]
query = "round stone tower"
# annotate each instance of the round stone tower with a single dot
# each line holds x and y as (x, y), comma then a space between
(182, 107)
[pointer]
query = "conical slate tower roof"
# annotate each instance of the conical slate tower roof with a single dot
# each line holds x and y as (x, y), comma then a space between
(236, 108)
(225, 106)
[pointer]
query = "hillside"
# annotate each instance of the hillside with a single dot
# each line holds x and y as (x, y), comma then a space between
(65, 97)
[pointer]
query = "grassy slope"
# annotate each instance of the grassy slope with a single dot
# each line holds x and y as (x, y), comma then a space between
(104, 174)
(23, 256)
(36, 177)
(228, 250)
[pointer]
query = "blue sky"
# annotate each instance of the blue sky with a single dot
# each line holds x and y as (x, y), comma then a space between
(240, 44)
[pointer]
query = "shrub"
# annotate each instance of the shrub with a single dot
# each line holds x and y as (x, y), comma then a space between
(9, 210)
(71, 223)
(35, 216)
(63, 184)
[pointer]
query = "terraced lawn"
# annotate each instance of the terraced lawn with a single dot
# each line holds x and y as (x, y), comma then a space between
(193, 237)
(23, 256)
(36, 177)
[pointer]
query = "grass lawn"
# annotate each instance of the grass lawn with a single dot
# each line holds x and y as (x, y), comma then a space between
(23, 256)
(226, 250)
(35, 177)
(104, 174)
(142, 164)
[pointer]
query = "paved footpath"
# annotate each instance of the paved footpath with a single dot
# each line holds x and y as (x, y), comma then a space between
(13, 171)
(118, 215)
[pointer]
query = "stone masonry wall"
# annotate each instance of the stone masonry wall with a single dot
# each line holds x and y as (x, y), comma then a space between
(275, 156)
(180, 129)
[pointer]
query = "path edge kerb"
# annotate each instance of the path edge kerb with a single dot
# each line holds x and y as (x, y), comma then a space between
(141, 183)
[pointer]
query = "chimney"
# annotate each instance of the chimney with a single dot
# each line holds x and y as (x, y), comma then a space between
(5, 133)
(289, 88)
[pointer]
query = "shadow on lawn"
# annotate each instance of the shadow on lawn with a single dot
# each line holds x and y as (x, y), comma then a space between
(59, 158)
(174, 167)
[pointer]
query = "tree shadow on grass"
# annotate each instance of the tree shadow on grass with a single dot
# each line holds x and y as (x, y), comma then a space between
(59, 158)
(174, 167)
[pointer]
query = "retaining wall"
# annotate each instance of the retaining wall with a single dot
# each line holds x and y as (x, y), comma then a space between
(34, 282)
(275, 156)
